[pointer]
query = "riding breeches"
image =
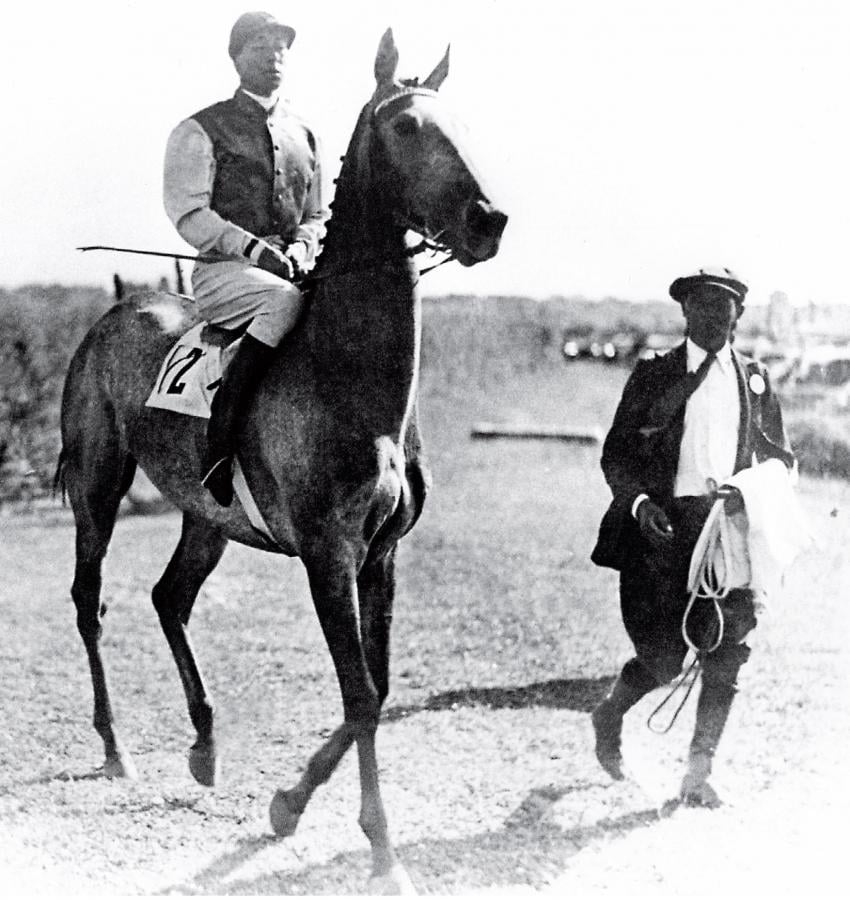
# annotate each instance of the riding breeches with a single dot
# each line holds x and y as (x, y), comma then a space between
(233, 292)
(653, 599)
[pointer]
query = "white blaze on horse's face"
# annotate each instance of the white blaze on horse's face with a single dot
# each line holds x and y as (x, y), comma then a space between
(437, 185)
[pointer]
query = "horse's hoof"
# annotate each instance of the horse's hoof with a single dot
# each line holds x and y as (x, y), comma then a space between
(284, 820)
(704, 796)
(204, 765)
(696, 792)
(395, 883)
(120, 765)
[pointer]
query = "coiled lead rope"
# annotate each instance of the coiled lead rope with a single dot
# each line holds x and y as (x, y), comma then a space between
(711, 584)
(711, 581)
(692, 668)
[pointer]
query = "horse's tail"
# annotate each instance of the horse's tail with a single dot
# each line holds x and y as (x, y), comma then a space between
(59, 477)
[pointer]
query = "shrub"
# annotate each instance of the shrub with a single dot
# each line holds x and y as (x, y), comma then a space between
(40, 327)
(822, 446)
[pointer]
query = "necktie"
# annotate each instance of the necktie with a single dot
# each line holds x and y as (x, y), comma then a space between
(662, 412)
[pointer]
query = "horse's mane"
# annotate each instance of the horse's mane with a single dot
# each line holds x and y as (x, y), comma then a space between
(349, 188)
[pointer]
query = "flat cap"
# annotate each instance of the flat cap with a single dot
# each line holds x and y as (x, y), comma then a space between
(251, 23)
(722, 278)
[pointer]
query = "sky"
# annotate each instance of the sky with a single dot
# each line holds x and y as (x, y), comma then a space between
(629, 142)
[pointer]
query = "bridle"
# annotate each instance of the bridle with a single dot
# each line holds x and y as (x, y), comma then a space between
(405, 218)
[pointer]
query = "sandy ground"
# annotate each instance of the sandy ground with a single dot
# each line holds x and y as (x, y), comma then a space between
(505, 637)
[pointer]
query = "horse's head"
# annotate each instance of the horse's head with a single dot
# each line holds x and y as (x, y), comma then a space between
(420, 167)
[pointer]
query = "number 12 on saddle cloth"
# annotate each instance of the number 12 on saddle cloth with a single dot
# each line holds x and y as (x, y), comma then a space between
(190, 375)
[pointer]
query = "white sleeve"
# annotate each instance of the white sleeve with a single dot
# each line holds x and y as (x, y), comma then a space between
(188, 178)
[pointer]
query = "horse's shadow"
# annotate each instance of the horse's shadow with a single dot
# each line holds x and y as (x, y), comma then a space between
(529, 847)
(577, 694)
(528, 839)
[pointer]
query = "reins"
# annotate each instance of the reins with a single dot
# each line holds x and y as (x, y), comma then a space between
(365, 265)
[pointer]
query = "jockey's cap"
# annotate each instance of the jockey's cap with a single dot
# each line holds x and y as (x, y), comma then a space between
(715, 277)
(252, 23)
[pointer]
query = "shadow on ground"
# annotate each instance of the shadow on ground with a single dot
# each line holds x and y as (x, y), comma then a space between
(577, 694)
(530, 848)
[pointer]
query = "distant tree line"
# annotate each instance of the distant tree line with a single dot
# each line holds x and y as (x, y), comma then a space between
(467, 341)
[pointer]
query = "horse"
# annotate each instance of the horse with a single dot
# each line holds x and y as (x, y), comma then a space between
(331, 443)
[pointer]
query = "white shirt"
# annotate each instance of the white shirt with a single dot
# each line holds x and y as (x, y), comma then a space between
(266, 102)
(712, 420)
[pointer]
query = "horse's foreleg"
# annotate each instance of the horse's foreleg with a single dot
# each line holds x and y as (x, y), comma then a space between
(388, 874)
(334, 589)
(197, 554)
(376, 592)
(287, 806)
(333, 584)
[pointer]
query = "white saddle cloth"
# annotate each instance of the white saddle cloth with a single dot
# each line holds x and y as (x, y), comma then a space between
(187, 381)
(190, 374)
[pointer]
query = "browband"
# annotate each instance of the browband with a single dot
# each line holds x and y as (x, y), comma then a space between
(404, 92)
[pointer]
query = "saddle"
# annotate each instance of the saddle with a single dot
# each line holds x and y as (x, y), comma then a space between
(216, 336)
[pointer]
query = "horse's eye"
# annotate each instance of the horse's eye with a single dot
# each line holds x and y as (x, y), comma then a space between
(406, 126)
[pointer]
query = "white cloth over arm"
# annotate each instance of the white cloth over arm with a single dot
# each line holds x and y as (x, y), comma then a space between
(777, 530)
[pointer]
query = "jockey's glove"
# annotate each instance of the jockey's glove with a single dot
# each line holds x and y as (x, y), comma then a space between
(297, 253)
(272, 260)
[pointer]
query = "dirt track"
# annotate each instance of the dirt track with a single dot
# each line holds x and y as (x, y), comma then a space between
(504, 638)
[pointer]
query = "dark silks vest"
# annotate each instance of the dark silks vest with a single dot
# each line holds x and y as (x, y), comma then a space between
(265, 164)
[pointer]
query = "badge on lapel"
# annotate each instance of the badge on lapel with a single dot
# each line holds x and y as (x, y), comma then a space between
(757, 385)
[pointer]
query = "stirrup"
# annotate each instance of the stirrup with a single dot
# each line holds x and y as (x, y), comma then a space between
(219, 480)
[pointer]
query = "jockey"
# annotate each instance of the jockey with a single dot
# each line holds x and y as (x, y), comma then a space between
(243, 184)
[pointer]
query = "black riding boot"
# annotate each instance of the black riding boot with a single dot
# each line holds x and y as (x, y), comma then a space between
(227, 411)
(713, 706)
(607, 721)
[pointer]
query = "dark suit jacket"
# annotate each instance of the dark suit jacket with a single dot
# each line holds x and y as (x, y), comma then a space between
(634, 464)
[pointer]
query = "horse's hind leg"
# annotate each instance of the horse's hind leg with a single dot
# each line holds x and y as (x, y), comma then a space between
(95, 487)
(200, 548)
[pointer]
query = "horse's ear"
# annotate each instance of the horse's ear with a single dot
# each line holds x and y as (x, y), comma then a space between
(386, 62)
(438, 76)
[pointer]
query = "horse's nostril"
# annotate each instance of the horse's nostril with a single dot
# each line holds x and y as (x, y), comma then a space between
(482, 219)
(499, 220)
